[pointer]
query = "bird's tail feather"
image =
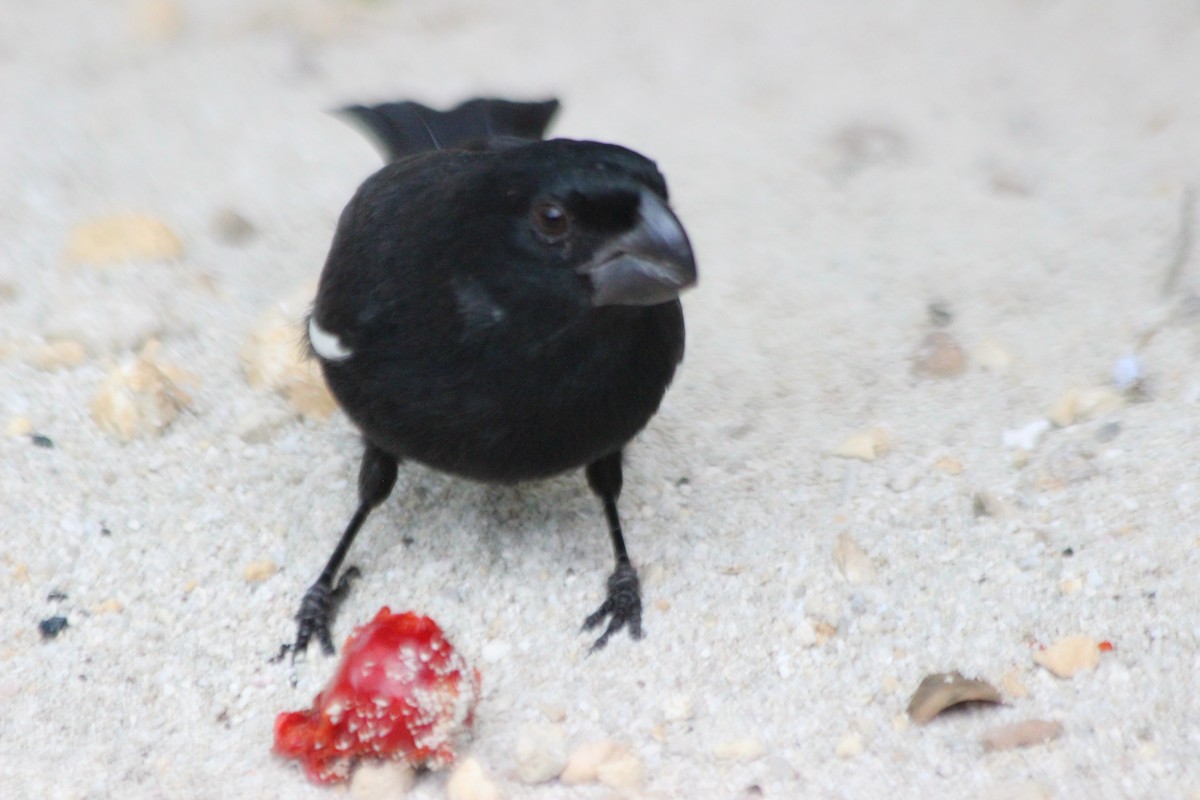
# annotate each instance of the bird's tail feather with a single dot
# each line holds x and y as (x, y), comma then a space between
(402, 129)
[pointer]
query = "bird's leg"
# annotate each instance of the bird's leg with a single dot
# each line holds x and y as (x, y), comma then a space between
(623, 605)
(376, 477)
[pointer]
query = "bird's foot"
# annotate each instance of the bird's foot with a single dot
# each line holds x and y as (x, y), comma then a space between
(317, 610)
(623, 606)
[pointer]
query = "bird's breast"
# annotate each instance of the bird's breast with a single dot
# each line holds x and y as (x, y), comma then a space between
(508, 408)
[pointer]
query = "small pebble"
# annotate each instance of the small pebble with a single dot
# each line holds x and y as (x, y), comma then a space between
(259, 571)
(745, 749)
(939, 356)
(1021, 734)
(1026, 438)
(805, 633)
(904, 479)
(157, 21)
(621, 769)
(1068, 657)
(1078, 405)
(940, 314)
(52, 627)
(142, 396)
(1128, 373)
(584, 762)
(824, 631)
(554, 712)
(987, 504)
(469, 781)
(122, 238)
(948, 465)
(865, 446)
(231, 227)
(495, 650)
(18, 427)
(110, 606)
(852, 561)
(677, 708)
(42, 441)
(858, 145)
(1071, 463)
(1069, 586)
(541, 753)
(381, 780)
(849, 746)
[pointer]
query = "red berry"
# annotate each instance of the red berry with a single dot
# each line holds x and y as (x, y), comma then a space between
(399, 693)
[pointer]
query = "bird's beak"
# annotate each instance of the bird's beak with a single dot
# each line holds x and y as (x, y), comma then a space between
(650, 264)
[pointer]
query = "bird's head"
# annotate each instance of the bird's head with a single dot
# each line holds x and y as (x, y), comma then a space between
(598, 212)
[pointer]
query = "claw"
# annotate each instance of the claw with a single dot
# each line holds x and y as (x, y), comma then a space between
(623, 607)
(317, 610)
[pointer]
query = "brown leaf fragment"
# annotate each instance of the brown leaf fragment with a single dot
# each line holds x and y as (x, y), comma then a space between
(945, 689)
(1021, 734)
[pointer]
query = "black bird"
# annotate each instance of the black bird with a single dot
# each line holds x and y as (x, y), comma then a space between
(500, 308)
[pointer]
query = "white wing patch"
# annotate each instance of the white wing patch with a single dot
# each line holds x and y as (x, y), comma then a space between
(327, 345)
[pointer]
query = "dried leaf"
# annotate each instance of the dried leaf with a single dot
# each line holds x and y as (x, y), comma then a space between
(945, 689)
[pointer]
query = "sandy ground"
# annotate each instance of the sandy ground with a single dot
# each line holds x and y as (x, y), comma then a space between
(1022, 165)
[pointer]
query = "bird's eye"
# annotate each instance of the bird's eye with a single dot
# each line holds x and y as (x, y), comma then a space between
(550, 221)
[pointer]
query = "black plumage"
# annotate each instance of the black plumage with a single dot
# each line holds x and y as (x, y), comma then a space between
(501, 308)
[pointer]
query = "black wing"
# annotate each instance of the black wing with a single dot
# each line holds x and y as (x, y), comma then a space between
(402, 129)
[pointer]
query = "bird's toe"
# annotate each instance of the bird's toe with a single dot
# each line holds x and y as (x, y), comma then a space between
(622, 607)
